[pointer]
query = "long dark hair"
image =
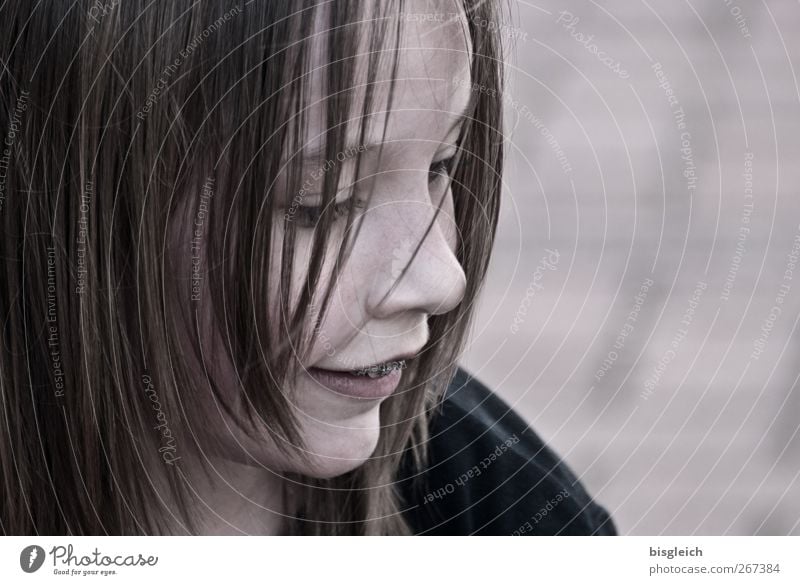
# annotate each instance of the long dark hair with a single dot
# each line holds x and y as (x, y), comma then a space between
(123, 120)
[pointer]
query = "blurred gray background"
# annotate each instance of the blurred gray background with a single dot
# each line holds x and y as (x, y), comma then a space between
(679, 410)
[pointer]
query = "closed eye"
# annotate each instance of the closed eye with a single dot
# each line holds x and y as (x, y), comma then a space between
(440, 170)
(309, 215)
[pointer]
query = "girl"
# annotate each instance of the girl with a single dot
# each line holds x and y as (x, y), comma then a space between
(241, 244)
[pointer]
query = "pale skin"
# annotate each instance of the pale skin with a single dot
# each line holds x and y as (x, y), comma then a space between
(341, 432)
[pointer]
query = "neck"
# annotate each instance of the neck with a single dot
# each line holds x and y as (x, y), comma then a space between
(232, 499)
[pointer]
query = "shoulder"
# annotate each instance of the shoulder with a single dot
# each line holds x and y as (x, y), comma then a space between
(489, 473)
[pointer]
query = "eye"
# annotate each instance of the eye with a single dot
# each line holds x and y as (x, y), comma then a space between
(309, 215)
(440, 170)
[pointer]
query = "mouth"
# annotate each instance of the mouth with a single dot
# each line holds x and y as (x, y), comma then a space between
(380, 370)
(368, 382)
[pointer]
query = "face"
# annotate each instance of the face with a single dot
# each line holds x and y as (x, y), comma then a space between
(374, 316)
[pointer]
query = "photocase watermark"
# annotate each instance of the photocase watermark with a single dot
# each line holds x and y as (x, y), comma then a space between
(679, 117)
(196, 244)
(548, 262)
(760, 342)
(744, 228)
(31, 558)
(82, 238)
(184, 54)
(475, 86)
(324, 341)
(689, 168)
(503, 29)
(96, 562)
(549, 137)
(10, 139)
(652, 381)
(664, 84)
(100, 10)
(528, 526)
(423, 17)
(627, 329)
(167, 439)
(524, 113)
(741, 21)
(314, 176)
(53, 338)
(472, 472)
(569, 21)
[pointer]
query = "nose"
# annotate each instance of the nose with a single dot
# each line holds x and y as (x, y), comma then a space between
(419, 270)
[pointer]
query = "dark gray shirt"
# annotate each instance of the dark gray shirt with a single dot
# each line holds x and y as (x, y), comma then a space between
(490, 474)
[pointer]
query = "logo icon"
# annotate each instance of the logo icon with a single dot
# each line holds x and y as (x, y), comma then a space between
(31, 558)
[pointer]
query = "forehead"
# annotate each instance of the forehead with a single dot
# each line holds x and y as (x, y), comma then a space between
(430, 81)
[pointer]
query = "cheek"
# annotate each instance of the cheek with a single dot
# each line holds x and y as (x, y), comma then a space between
(343, 313)
(300, 263)
(342, 322)
(340, 435)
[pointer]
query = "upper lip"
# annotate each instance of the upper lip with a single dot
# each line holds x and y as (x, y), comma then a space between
(403, 356)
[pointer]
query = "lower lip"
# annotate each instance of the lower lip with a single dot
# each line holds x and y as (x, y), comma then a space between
(353, 386)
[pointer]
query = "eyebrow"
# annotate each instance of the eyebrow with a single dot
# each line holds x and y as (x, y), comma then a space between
(316, 152)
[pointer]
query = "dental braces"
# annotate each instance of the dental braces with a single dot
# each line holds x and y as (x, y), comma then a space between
(380, 370)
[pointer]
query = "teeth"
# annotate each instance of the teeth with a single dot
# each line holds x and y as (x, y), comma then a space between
(380, 370)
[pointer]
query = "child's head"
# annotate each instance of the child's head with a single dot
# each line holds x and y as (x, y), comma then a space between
(209, 203)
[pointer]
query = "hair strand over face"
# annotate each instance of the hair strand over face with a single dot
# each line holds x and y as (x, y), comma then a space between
(120, 122)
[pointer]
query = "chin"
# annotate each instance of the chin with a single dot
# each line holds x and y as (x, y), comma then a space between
(343, 447)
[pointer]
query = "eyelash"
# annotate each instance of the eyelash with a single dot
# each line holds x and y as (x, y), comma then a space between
(440, 170)
(309, 215)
